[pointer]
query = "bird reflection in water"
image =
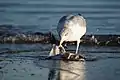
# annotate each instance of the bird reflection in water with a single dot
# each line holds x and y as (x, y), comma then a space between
(68, 70)
(72, 70)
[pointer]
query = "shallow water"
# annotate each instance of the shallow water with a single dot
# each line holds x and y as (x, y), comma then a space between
(27, 61)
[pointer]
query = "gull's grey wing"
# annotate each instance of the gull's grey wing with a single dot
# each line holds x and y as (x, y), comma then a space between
(62, 22)
(78, 19)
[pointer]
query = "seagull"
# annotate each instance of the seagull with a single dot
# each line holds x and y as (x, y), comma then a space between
(71, 28)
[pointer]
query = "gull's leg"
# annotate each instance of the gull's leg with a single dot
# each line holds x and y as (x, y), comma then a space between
(62, 46)
(78, 42)
(69, 56)
(63, 49)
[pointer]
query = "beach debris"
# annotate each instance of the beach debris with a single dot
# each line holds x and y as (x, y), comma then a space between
(58, 54)
(55, 50)
(73, 57)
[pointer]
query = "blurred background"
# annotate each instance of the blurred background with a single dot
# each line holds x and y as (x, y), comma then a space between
(102, 16)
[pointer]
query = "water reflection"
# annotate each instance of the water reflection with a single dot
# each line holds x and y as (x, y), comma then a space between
(68, 70)
(72, 70)
(53, 71)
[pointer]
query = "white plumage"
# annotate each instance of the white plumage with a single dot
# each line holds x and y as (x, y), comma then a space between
(71, 28)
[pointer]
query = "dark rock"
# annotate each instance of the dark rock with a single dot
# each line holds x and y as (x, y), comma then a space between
(38, 37)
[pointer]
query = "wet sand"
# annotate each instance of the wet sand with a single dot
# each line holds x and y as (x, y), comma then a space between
(30, 65)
